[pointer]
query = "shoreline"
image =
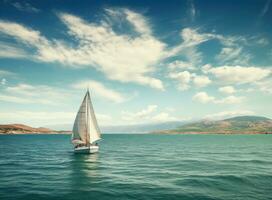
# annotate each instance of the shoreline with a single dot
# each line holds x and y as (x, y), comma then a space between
(213, 133)
(152, 133)
(37, 133)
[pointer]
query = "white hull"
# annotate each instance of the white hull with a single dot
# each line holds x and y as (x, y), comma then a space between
(86, 150)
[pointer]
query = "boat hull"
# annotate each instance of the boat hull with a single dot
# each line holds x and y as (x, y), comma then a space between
(86, 150)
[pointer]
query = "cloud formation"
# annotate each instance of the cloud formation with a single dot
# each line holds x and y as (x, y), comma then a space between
(3, 81)
(185, 78)
(203, 97)
(30, 94)
(25, 7)
(99, 89)
(143, 114)
(192, 10)
(6, 73)
(8, 50)
(147, 115)
(128, 57)
(42, 118)
(265, 8)
(227, 90)
(228, 114)
(125, 57)
(121, 57)
(238, 74)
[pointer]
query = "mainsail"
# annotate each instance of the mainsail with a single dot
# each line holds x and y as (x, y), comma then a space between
(85, 130)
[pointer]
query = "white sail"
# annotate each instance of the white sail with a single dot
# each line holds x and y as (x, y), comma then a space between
(94, 132)
(80, 130)
(85, 130)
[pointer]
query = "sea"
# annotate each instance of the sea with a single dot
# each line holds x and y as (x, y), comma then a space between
(137, 166)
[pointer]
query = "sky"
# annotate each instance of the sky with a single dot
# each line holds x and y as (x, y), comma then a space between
(144, 61)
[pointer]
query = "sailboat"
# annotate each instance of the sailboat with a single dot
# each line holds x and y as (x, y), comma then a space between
(86, 132)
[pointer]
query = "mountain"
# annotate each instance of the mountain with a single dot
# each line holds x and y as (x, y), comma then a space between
(234, 125)
(23, 129)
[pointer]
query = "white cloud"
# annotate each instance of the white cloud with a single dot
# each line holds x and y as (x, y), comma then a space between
(228, 53)
(163, 117)
(265, 8)
(201, 81)
(205, 68)
(185, 78)
(170, 109)
(133, 61)
(188, 48)
(238, 74)
(41, 118)
(150, 109)
(233, 54)
(143, 114)
(138, 21)
(36, 119)
(192, 10)
(204, 98)
(100, 89)
(232, 50)
(11, 51)
(3, 81)
(264, 86)
(26, 7)
(192, 37)
(38, 94)
(149, 115)
(193, 56)
(22, 89)
(230, 100)
(227, 90)
(18, 116)
(178, 64)
(14, 99)
(103, 118)
(128, 57)
(6, 73)
(22, 34)
(228, 114)
(262, 41)
(122, 57)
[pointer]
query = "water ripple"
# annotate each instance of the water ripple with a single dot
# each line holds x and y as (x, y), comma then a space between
(137, 167)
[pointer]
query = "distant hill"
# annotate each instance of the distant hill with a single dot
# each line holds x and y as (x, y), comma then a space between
(234, 125)
(23, 129)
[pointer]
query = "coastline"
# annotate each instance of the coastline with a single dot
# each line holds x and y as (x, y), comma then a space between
(212, 133)
(151, 133)
(37, 133)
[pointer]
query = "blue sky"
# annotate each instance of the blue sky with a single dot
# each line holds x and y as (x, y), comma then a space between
(144, 61)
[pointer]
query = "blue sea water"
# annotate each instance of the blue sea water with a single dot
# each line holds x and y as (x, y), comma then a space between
(135, 166)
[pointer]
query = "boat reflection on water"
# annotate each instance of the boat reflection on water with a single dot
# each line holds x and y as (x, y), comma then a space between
(84, 173)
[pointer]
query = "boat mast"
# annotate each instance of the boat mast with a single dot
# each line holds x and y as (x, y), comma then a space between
(87, 123)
